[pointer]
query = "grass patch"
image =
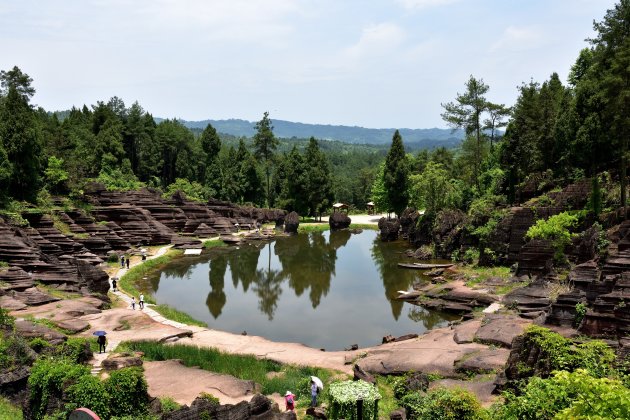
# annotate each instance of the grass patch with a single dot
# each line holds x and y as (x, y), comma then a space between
(477, 275)
(9, 411)
(129, 281)
(175, 315)
(213, 243)
(246, 367)
(314, 227)
(54, 292)
(388, 402)
(363, 226)
(507, 288)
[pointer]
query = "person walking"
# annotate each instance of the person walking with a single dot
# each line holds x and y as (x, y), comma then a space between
(314, 392)
(114, 284)
(133, 303)
(102, 341)
(141, 302)
(127, 262)
(289, 401)
(122, 261)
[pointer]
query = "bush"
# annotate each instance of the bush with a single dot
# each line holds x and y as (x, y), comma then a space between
(192, 190)
(89, 391)
(555, 229)
(76, 349)
(49, 377)
(169, 404)
(567, 395)
(443, 404)
(128, 391)
(343, 396)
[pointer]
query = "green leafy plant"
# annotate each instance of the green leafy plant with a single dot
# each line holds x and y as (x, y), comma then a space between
(128, 392)
(343, 397)
(442, 403)
(169, 404)
(580, 312)
(555, 229)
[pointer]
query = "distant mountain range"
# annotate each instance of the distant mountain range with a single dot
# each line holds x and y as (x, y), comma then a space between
(419, 138)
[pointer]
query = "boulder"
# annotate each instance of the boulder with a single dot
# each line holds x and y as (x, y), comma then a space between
(414, 382)
(121, 362)
(484, 361)
(29, 330)
(260, 407)
(360, 374)
(389, 229)
(291, 222)
(500, 329)
(339, 220)
(400, 414)
(316, 412)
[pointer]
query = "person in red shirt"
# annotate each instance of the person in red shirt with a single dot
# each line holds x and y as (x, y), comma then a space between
(289, 400)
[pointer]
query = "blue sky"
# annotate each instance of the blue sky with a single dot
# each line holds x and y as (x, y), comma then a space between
(371, 63)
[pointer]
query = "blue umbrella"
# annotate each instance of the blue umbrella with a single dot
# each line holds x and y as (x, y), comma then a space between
(99, 333)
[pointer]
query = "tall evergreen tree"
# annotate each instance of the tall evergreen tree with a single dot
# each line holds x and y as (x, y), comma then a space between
(318, 179)
(396, 175)
(265, 144)
(466, 112)
(211, 146)
(20, 134)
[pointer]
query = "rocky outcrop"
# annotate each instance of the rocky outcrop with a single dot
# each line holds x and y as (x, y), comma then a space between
(339, 220)
(500, 330)
(535, 258)
(389, 229)
(260, 407)
(408, 220)
(531, 301)
(448, 233)
(291, 223)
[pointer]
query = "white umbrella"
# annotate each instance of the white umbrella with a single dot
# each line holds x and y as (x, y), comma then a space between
(318, 382)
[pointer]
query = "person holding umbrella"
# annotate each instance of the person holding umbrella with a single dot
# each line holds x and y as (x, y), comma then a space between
(101, 340)
(316, 386)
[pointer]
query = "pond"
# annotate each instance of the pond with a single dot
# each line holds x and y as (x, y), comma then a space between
(324, 289)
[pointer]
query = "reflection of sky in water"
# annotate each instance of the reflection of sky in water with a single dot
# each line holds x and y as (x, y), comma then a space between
(347, 279)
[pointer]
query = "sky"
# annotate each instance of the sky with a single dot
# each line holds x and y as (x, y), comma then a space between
(370, 63)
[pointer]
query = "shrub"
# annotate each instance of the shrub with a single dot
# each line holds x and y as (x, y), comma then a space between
(7, 322)
(89, 391)
(443, 404)
(49, 377)
(169, 404)
(192, 190)
(567, 395)
(555, 229)
(76, 349)
(343, 397)
(128, 391)
(580, 312)
(38, 344)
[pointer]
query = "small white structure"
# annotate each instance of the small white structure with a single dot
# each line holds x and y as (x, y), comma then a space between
(192, 251)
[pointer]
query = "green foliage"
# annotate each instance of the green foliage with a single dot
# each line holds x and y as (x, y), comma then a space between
(265, 145)
(378, 191)
(49, 378)
(169, 404)
(9, 411)
(55, 174)
(555, 229)
(567, 395)
(343, 396)
(14, 351)
(580, 312)
(115, 178)
(193, 190)
(432, 190)
(595, 356)
(442, 403)
(7, 322)
(90, 391)
(128, 392)
(76, 349)
(38, 344)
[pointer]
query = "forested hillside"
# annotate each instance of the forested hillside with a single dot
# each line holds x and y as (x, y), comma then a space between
(427, 138)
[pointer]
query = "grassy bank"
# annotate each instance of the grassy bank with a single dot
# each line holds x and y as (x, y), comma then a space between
(272, 376)
(9, 411)
(174, 315)
(128, 282)
(321, 227)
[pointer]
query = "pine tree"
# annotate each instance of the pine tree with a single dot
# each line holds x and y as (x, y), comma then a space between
(318, 179)
(265, 144)
(396, 174)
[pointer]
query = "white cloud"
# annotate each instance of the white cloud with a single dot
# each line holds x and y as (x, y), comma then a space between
(522, 38)
(376, 40)
(423, 4)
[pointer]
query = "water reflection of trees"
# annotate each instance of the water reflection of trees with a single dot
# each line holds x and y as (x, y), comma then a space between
(386, 256)
(216, 297)
(308, 261)
(430, 319)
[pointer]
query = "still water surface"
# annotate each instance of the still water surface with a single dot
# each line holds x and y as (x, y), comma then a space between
(323, 289)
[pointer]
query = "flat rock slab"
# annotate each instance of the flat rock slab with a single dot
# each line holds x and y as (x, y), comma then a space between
(72, 325)
(184, 384)
(464, 333)
(34, 297)
(10, 304)
(486, 361)
(500, 329)
(434, 352)
(28, 330)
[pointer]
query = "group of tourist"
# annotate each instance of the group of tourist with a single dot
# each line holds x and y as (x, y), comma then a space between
(289, 397)
(140, 302)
